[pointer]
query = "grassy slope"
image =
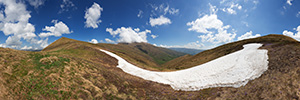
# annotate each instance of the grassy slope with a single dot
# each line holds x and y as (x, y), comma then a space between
(84, 72)
(78, 72)
(159, 55)
(208, 55)
(143, 55)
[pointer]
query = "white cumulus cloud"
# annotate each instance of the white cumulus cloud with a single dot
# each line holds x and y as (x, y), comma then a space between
(15, 24)
(92, 16)
(93, 41)
(42, 43)
(248, 35)
(2, 45)
(154, 36)
(27, 48)
(191, 45)
(293, 35)
(109, 40)
(13, 41)
(289, 2)
(129, 35)
(159, 21)
(57, 30)
(24, 30)
(206, 24)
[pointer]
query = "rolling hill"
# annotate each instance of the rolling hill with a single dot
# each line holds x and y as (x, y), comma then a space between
(71, 69)
(208, 55)
(144, 55)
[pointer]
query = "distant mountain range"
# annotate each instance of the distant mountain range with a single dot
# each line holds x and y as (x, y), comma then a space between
(187, 50)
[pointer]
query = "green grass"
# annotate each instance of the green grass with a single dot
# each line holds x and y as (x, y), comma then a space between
(163, 59)
(38, 65)
(39, 87)
(36, 84)
(31, 79)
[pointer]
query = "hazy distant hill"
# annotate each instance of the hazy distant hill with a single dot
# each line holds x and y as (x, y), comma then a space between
(71, 69)
(187, 50)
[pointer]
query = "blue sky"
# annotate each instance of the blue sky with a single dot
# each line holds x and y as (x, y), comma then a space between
(34, 24)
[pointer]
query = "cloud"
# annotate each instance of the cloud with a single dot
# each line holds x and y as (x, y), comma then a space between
(43, 43)
(15, 24)
(154, 36)
(27, 48)
(211, 22)
(289, 2)
(159, 21)
(57, 30)
(139, 15)
(222, 1)
(23, 30)
(213, 9)
(245, 23)
(298, 14)
(13, 41)
(248, 35)
(66, 6)
(129, 35)
(232, 8)
(163, 9)
(109, 40)
(2, 45)
(191, 45)
(36, 3)
(291, 34)
(93, 41)
(173, 11)
(92, 16)
(206, 22)
(255, 2)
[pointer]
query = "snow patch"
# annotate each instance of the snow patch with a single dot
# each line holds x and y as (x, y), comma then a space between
(232, 70)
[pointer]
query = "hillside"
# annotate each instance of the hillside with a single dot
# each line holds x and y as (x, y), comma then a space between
(71, 69)
(143, 55)
(160, 55)
(208, 55)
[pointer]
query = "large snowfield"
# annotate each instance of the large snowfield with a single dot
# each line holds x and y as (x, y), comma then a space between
(232, 70)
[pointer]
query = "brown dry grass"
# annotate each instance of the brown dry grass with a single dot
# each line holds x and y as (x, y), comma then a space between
(208, 55)
(91, 74)
(143, 55)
